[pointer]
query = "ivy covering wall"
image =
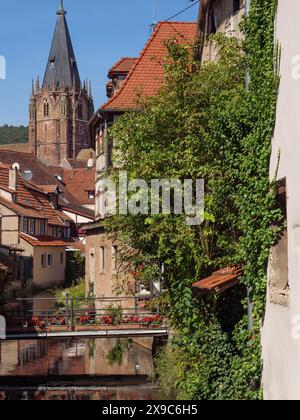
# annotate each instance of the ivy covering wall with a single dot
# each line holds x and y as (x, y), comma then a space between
(205, 124)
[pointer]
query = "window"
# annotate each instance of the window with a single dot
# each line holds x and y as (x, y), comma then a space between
(91, 195)
(54, 232)
(32, 226)
(66, 232)
(43, 260)
(61, 258)
(50, 260)
(58, 129)
(212, 27)
(80, 113)
(279, 276)
(102, 259)
(43, 227)
(114, 252)
(25, 225)
(236, 6)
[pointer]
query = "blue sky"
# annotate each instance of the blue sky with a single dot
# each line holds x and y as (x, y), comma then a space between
(102, 31)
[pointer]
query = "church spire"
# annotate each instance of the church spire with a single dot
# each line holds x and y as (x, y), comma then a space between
(61, 67)
(61, 6)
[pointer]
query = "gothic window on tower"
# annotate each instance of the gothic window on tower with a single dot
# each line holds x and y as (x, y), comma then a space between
(212, 27)
(46, 109)
(80, 112)
(58, 129)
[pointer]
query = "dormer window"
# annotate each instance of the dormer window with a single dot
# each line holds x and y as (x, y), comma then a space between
(91, 195)
(52, 61)
(43, 227)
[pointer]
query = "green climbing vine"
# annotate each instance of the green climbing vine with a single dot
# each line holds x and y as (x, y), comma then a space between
(205, 124)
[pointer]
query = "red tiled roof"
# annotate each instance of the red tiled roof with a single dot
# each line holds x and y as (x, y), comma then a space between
(45, 180)
(80, 211)
(43, 241)
(22, 211)
(146, 76)
(48, 189)
(75, 245)
(40, 172)
(124, 65)
(220, 280)
(16, 147)
(31, 202)
(79, 182)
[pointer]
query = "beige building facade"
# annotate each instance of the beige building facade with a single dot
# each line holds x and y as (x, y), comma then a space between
(281, 327)
(106, 275)
(32, 224)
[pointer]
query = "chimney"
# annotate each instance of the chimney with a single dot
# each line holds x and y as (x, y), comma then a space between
(13, 177)
(90, 163)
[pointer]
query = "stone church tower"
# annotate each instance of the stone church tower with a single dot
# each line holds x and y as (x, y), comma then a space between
(60, 109)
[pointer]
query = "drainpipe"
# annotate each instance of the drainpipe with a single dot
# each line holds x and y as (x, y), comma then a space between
(249, 289)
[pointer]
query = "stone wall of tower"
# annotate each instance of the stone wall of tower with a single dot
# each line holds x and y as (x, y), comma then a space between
(58, 123)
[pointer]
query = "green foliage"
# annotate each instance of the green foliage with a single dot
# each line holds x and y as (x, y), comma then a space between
(205, 124)
(170, 364)
(115, 356)
(4, 281)
(116, 314)
(73, 267)
(10, 134)
(76, 291)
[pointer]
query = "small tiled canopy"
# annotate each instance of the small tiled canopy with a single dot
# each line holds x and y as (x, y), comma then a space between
(220, 281)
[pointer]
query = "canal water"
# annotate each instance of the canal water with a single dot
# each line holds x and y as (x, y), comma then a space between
(77, 369)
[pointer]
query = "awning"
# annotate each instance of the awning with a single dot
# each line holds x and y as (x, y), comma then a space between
(220, 280)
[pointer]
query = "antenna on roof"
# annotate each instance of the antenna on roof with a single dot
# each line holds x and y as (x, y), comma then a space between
(154, 19)
(154, 22)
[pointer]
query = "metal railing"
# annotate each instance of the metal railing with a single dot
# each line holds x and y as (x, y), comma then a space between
(73, 312)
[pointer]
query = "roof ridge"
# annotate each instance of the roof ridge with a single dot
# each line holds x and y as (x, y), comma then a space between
(142, 53)
(179, 22)
(161, 31)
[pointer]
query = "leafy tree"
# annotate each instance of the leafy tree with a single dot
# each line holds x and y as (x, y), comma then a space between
(205, 124)
(11, 134)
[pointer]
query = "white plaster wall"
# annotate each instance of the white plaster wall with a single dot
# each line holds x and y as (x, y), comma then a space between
(281, 351)
(77, 218)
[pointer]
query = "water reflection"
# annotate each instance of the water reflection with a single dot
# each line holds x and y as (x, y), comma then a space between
(124, 393)
(22, 361)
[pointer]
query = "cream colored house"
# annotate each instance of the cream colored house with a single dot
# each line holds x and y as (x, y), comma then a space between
(31, 221)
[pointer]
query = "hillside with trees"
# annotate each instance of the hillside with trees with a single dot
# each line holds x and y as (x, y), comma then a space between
(11, 134)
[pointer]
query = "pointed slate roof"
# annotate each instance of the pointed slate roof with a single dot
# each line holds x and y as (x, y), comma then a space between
(61, 67)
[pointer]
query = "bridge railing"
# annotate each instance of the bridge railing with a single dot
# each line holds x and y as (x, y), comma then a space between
(74, 312)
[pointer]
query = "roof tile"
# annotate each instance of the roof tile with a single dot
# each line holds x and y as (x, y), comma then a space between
(146, 76)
